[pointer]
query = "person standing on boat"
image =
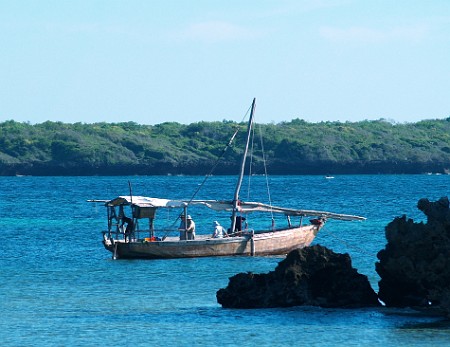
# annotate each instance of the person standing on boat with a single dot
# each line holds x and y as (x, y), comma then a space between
(129, 228)
(190, 228)
(238, 226)
(187, 228)
(182, 228)
(219, 231)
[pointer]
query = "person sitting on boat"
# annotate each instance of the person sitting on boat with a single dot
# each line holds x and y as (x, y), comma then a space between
(187, 228)
(219, 231)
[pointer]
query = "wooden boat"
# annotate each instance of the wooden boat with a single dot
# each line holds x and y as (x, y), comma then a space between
(151, 242)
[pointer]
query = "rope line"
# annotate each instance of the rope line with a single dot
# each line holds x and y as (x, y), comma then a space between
(249, 178)
(209, 174)
(358, 249)
(266, 175)
(228, 145)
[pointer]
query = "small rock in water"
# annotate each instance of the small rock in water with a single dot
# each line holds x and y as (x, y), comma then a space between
(313, 276)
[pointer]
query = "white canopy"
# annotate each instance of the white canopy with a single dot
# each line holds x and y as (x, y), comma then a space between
(223, 205)
(143, 201)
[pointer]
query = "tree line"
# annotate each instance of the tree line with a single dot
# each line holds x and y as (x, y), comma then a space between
(294, 147)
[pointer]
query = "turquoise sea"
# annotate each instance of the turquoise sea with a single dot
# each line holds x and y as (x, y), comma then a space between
(59, 287)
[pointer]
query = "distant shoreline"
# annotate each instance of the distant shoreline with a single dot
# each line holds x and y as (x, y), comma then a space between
(290, 148)
(167, 169)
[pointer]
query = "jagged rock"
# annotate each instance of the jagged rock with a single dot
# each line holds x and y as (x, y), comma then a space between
(313, 276)
(435, 211)
(414, 267)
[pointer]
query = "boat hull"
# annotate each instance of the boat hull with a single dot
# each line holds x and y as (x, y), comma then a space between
(267, 243)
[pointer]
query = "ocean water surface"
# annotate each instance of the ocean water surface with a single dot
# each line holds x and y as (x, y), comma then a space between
(60, 287)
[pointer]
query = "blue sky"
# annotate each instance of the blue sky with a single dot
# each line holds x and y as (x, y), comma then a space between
(186, 61)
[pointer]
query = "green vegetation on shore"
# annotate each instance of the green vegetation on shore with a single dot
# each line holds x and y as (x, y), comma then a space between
(295, 147)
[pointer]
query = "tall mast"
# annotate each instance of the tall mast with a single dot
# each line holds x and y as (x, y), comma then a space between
(241, 174)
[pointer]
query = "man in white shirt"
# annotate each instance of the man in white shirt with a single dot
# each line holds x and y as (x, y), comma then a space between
(219, 231)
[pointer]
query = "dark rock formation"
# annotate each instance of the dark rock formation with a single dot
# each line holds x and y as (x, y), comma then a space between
(415, 265)
(314, 276)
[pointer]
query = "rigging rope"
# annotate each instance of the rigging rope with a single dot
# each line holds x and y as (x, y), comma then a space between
(250, 165)
(209, 174)
(228, 145)
(265, 170)
(214, 166)
(356, 248)
(265, 174)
